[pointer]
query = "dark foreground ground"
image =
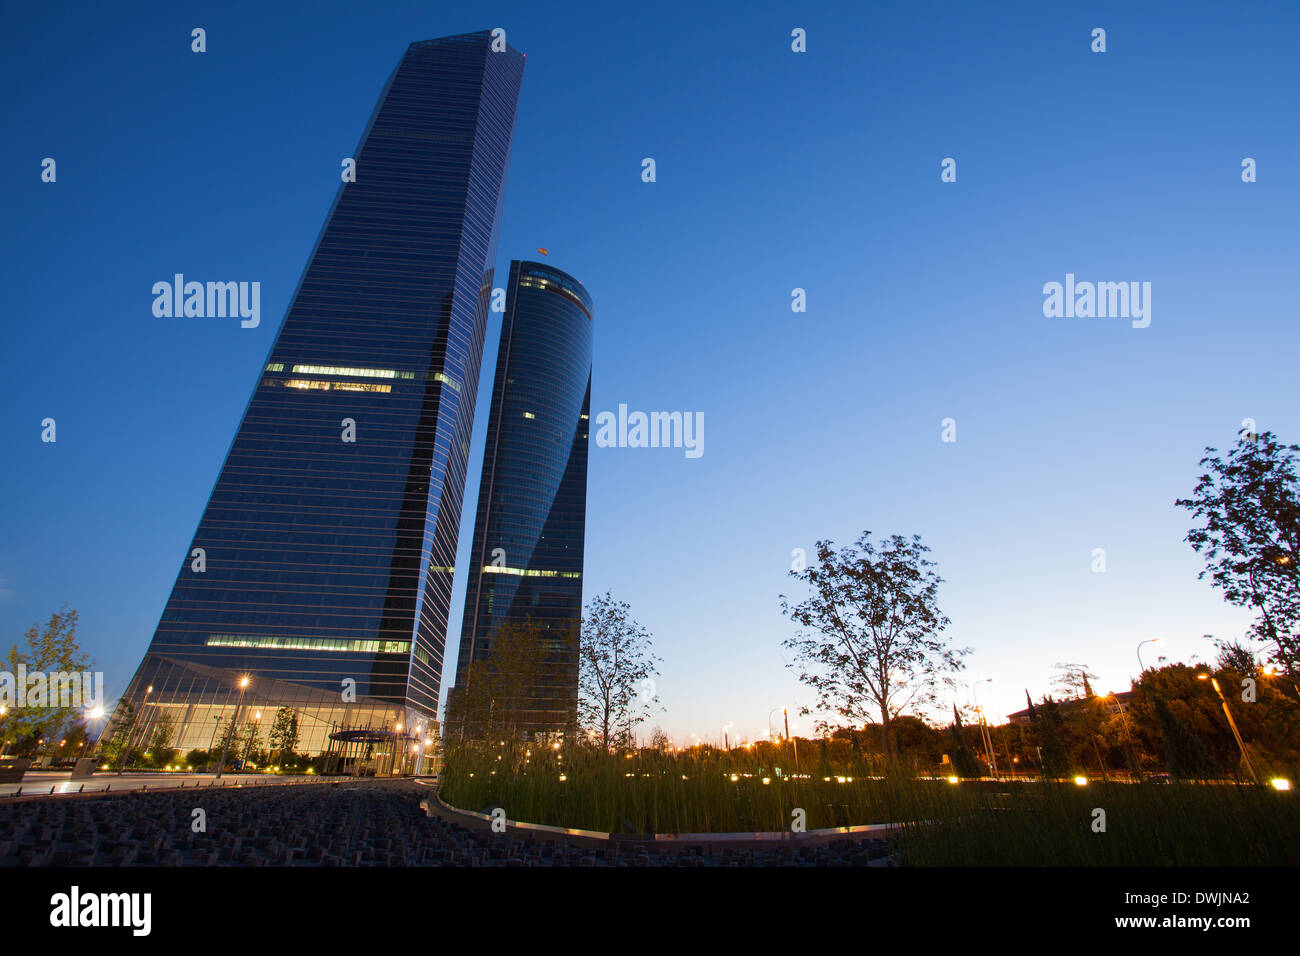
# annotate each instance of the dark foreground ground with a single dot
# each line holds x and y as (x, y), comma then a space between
(351, 824)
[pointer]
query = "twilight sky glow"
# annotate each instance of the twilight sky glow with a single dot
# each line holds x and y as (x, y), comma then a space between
(776, 171)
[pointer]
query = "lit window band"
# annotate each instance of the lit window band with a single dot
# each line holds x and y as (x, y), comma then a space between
(333, 645)
(529, 572)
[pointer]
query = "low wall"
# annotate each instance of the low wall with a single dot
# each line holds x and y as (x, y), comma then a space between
(436, 806)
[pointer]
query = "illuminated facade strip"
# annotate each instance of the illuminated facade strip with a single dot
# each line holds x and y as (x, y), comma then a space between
(529, 572)
(336, 645)
(311, 383)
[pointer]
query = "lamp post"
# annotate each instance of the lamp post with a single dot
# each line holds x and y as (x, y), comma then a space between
(1141, 667)
(985, 734)
(243, 686)
(1245, 757)
(785, 714)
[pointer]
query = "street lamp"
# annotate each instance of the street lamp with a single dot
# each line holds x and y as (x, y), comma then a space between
(985, 734)
(1245, 757)
(243, 686)
(1141, 667)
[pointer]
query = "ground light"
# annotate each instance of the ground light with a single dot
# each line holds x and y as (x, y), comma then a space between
(1280, 783)
(954, 779)
(1081, 781)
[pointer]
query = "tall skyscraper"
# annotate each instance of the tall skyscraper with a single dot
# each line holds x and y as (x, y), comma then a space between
(322, 566)
(526, 560)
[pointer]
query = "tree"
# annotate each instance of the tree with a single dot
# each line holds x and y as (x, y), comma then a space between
(1072, 681)
(524, 664)
(1235, 656)
(963, 760)
(1056, 762)
(161, 736)
(1249, 504)
(876, 647)
(1185, 755)
(284, 733)
(114, 744)
(52, 651)
(659, 741)
(616, 671)
(225, 741)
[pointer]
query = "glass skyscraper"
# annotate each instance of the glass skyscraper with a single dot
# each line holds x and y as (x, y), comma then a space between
(526, 559)
(328, 543)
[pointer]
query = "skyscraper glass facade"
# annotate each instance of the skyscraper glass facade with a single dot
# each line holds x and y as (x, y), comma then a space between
(328, 544)
(527, 553)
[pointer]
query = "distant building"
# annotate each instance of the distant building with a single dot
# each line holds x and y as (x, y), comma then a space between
(1120, 698)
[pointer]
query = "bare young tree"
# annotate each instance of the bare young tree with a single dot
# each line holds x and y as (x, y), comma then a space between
(875, 648)
(616, 672)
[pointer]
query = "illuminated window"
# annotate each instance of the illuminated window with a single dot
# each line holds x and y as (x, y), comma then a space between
(312, 383)
(529, 572)
(336, 645)
(529, 415)
(348, 372)
(275, 367)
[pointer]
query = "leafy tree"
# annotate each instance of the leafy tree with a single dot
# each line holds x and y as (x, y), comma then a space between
(1235, 656)
(120, 734)
(50, 650)
(1249, 506)
(501, 688)
(226, 741)
(161, 736)
(876, 649)
(1185, 755)
(659, 741)
(284, 733)
(616, 671)
(1193, 704)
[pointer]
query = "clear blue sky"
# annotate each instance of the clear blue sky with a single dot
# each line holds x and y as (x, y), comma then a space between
(776, 170)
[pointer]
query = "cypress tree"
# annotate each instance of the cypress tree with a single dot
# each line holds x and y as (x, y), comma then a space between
(963, 760)
(1055, 761)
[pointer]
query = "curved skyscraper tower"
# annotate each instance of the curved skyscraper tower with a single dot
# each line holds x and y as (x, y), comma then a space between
(526, 559)
(328, 544)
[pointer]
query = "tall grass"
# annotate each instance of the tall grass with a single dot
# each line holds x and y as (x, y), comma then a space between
(967, 823)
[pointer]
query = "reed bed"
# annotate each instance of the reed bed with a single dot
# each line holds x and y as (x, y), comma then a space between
(970, 822)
